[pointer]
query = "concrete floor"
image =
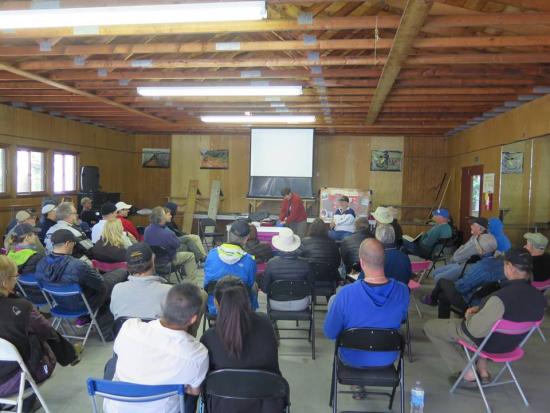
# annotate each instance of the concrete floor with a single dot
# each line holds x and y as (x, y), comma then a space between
(309, 380)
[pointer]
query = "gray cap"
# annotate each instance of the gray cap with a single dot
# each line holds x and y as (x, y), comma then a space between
(537, 240)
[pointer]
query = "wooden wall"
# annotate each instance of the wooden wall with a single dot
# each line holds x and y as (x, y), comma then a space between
(115, 153)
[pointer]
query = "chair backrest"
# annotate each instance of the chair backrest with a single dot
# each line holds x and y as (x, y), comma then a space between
(371, 339)
(289, 290)
(109, 266)
(61, 290)
(506, 336)
(418, 266)
(514, 328)
(324, 273)
(541, 285)
(8, 352)
(247, 385)
(133, 393)
(439, 247)
(162, 257)
(28, 280)
(210, 287)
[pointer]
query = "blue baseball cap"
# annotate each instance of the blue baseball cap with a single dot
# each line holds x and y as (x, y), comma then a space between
(442, 212)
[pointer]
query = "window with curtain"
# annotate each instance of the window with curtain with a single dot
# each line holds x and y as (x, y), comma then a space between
(64, 172)
(30, 171)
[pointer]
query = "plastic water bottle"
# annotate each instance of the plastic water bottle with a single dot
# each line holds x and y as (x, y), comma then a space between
(417, 398)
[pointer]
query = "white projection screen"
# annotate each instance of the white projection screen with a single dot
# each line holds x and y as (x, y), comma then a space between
(280, 158)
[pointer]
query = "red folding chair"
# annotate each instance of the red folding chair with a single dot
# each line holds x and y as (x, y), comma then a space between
(473, 353)
(108, 266)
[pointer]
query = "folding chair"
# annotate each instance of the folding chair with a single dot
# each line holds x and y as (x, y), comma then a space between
(208, 233)
(29, 287)
(473, 353)
(208, 317)
(437, 253)
(164, 265)
(372, 340)
(289, 290)
(9, 353)
(62, 315)
(325, 280)
(117, 325)
(542, 286)
(234, 384)
(420, 269)
(133, 393)
(104, 267)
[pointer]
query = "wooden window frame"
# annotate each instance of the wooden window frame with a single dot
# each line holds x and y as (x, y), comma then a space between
(44, 172)
(76, 168)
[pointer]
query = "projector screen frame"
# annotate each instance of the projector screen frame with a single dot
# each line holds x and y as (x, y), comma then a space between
(279, 197)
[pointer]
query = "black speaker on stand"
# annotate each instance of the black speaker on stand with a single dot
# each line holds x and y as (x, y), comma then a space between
(89, 178)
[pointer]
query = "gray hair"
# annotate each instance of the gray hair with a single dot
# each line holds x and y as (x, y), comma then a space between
(361, 223)
(235, 239)
(385, 234)
(157, 214)
(64, 210)
(183, 301)
(85, 200)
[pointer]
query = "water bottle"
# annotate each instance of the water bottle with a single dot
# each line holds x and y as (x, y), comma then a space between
(417, 398)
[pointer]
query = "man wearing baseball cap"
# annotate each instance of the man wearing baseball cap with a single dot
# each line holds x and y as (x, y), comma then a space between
(22, 217)
(343, 221)
(508, 303)
(23, 248)
(424, 244)
(48, 220)
(122, 210)
(536, 244)
(230, 258)
(480, 244)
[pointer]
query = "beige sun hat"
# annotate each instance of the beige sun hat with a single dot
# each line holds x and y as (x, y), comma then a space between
(286, 241)
(383, 215)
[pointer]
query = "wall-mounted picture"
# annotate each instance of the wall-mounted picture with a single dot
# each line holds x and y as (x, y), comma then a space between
(155, 158)
(386, 161)
(512, 163)
(214, 158)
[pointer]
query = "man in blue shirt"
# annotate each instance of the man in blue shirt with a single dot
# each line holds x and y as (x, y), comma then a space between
(343, 221)
(441, 230)
(375, 301)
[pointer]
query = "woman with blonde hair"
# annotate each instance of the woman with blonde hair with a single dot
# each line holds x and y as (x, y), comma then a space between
(40, 346)
(112, 245)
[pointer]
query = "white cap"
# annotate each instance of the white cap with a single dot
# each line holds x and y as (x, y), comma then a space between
(122, 205)
(47, 208)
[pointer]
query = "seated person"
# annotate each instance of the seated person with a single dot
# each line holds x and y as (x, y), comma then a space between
(163, 352)
(87, 214)
(374, 302)
(108, 212)
(234, 341)
(536, 244)
(507, 303)
(396, 226)
(349, 247)
(67, 219)
(48, 220)
(122, 211)
(458, 294)
(157, 235)
(59, 266)
(343, 221)
(424, 244)
(261, 251)
(397, 264)
(231, 258)
(480, 243)
(318, 248)
(189, 242)
(287, 266)
(39, 344)
(496, 229)
(22, 217)
(23, 248)
(112, 245)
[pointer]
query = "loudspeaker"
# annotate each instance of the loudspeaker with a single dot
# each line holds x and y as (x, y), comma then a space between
(89, 178)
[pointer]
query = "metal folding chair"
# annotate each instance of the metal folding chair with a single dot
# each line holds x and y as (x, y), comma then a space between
(208, 233)
(62, 315)
(542, 286)
(29, 287)
(473, 353)
(9, 353)
(133, 393)
(104, 267)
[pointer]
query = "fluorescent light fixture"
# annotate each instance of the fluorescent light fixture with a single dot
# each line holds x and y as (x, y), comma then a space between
(251, 90)
(120, 15)
(259, 119)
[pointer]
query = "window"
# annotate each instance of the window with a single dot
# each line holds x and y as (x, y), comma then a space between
(30, 171)
(64, 172)
(3, 169)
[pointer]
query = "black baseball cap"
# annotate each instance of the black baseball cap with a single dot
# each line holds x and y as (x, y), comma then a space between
(520, 258)
(20, 230)
(344, 198)
(482, 222)
(61, 236)
(108, 208)
(240, 227)
(139, 253)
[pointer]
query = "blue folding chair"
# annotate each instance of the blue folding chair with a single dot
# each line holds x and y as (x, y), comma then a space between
(133, 393)
(30, 288)
(61, 314)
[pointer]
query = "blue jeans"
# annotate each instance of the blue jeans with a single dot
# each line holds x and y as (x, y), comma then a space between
(412, 248)
(448, 272)
(338, 235)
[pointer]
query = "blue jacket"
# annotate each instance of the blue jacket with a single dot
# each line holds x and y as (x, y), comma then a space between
(365, 305)
(487, 270)
(230, 259)
(159, 236)
(496, 228)
(65, 269)
(397, 265)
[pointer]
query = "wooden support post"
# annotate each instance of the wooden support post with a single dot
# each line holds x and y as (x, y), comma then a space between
(190, 206)
(215, 191)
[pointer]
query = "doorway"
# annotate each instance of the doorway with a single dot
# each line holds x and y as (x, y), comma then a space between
(470, 196)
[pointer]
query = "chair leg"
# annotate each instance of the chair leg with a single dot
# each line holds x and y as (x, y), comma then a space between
(332, 384)
(38, 395)
(517, 384)
(542, 336)
(409, 339)
(415, 302)
(312, 333)
(402, 387)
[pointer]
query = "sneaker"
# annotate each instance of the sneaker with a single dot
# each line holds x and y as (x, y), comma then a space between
(82, 321)
(427, 299)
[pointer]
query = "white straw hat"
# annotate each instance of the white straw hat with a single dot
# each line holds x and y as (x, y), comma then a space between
(286, 241)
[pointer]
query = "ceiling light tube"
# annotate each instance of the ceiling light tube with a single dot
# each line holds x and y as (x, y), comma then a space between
(121, 15)
(251, 90)
(291, 119)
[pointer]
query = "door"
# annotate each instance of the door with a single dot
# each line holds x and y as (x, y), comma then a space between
(470, 196)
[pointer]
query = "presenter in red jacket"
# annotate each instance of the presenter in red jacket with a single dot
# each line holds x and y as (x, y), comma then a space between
(293, 214)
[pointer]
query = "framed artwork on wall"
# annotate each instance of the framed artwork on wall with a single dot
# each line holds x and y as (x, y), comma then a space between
(214, 159)
(386, 161)
(512, 163)
(155, 158)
